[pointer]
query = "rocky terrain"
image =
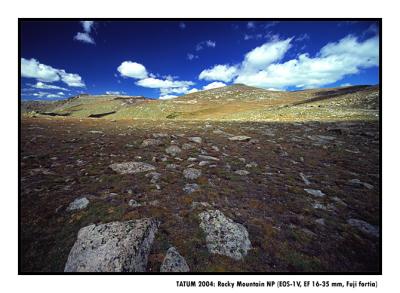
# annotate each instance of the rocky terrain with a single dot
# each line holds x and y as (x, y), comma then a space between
(283, 194)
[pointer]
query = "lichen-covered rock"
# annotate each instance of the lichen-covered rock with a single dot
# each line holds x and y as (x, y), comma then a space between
(112, 247)
(364, 227)
(191, 173)
(78, 204)
(223, 235)
(174, 262)
(132, 167)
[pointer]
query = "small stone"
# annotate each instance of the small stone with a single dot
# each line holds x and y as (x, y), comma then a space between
(132, 167)
(171, 166)
(251, 165)
(364, 227)
(191, 187)
(173, 150)
(242, 172)
(174, 262)
(78, 204)
(151, 142)
(201, 204)
(306, 181)
(357, 182)
(191, 173)
(240, 138)
(203, 163)
(160, 135)
(215, 148)
(133, 203)
(320, 221)
(208, 158)
(187, 146)
(314, 192)
(196, 139)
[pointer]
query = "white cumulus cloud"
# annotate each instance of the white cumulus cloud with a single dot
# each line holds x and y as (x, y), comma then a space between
(42, 85)
(132, 69)
(333, 62)
(44, 73)
(33, 69)
(214, 85)
(219, 72)
(85, 36)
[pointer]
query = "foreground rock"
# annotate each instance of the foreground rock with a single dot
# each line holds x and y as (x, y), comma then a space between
(191, 173)
(357, 182)
(132, 167)
(364, 227)
(174, 262)
(78, 204)
(240, 138)
(112, 247)
(224, 236)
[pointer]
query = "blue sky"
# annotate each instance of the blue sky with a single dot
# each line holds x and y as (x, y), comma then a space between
(165, 59)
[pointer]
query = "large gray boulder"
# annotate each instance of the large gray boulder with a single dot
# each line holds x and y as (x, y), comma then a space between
(223, 235)
(112, 247)
(132, 167)
(174, 262)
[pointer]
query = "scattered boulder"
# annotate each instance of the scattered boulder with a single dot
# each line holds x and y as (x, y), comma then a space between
(240, 138)
(151, 142)
(242, 172)
(112, 247)
(204, 163)
(132, 167)
(78, 204)
(191, 187)
(191, 173)
(173, 150)
(315, 192)
(364, 227)
(174, 262)
(196, 139)
(223, 235)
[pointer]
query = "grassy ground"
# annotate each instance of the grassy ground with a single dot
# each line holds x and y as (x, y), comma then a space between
(62, 160)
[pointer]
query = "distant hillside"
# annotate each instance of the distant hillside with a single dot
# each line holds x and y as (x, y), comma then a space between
(235, 102)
